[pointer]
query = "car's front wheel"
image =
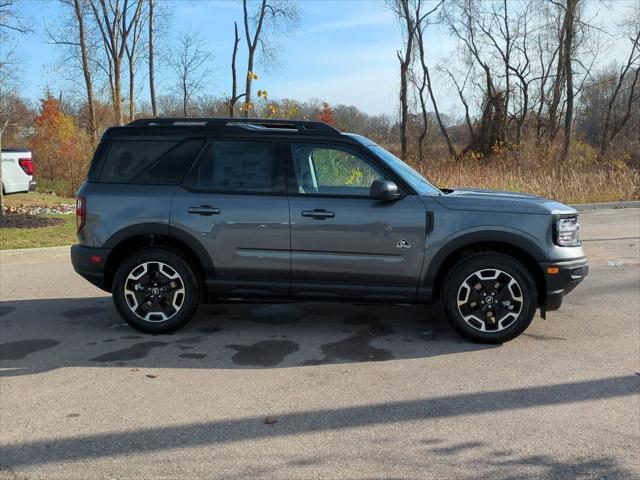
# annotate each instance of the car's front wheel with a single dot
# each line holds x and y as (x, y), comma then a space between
(156, 290)
(489, 297)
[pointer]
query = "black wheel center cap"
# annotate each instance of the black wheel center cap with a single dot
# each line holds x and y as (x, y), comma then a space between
(155, 291)
(489, 299)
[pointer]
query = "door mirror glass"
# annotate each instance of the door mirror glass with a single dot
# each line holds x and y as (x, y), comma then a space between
(384, 190)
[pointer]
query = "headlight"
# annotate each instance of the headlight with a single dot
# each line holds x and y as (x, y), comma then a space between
(567, 232)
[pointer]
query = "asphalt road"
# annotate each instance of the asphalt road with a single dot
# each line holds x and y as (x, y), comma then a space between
(356, 392)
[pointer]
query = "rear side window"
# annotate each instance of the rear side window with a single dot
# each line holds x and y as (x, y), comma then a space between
(149, 162)
(238, 167)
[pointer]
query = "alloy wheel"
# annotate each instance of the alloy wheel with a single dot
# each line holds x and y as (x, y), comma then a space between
(154, 291)
(490, 300)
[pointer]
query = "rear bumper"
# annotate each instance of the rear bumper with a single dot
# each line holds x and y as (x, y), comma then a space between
(90, 262)
(569, 275)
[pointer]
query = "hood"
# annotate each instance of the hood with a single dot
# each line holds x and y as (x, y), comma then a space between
(504, 202)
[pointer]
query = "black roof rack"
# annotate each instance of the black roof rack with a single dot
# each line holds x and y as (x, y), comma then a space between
(302, 126)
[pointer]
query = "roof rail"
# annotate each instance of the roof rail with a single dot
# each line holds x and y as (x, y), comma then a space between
(302, 126)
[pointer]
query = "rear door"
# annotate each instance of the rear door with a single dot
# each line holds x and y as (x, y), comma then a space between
(233, 201)
(344, 243)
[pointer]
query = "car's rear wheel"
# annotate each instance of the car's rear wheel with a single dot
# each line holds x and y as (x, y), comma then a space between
(156, 290)
(489, 297)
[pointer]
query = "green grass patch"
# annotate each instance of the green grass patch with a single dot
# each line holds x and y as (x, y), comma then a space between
(54, 236)
(36, 199)
(61, 187)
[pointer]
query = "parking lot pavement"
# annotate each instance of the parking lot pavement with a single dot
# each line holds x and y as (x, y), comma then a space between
(320, 390)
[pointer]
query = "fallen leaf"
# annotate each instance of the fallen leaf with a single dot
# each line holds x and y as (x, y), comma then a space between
(151, 376)
(270, 420)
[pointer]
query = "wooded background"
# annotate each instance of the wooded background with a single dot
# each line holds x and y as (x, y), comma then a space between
(535, 113)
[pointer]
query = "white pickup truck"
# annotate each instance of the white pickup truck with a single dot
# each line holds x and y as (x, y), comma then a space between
(17, 171)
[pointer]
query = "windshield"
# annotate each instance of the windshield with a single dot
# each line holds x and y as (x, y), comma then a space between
(413, 178)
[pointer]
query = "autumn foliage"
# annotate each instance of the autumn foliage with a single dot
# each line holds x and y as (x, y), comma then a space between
(61, 147)
(326, 114)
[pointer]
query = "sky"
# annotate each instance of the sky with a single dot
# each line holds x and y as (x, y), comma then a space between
(344, 51)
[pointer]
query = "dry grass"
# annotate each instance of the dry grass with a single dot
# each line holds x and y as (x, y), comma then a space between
(583, 185)
(582, 179)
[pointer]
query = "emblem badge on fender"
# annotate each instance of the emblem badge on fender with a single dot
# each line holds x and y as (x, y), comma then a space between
(403, 244)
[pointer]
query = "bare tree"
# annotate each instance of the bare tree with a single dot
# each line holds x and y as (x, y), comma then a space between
(10, 22)
(75, 36)
(570, 17)
(6, 110)
(151, 53)
(131, 51)
(10, 19)
(424, 84)
(613, 124)
(270, 15)
(115, 20)
(189, 61)
(234, 80)
(405, 14)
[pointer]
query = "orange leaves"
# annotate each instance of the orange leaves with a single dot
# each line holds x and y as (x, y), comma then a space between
(326, 114)
(59, 147)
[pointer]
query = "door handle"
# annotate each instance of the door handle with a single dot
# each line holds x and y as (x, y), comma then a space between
(204, 210)
(318, 214)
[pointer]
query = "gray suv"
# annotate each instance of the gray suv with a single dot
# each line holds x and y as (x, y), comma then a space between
(176, 212)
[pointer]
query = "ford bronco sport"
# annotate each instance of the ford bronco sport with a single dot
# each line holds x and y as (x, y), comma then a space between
(179, 211)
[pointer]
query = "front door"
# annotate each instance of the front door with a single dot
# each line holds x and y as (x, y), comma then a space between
(233, 201)
(344, 243)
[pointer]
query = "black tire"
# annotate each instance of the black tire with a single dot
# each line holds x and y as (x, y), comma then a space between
(187, 280)
(462, 282)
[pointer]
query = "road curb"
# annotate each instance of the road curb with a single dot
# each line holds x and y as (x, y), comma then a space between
(586, 207)
(35, 249)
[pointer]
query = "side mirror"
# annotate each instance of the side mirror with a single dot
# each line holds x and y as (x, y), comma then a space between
(384, 190)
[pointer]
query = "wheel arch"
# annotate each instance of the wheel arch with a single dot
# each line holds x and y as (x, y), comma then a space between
(130, 239)
(516, 246)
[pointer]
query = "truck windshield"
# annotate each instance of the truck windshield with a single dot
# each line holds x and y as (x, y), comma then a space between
(412, 177)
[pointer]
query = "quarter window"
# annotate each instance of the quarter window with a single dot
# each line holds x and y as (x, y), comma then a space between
(237, 166)
(328, 170)
(149, 162)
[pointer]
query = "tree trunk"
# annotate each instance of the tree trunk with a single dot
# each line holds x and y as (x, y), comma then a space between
(152, 83)
(132, 97)
(443, 129)
(247, 88)
(404, 110)
(251, 49)
(185, 96)
(557, 87)
(234, 79)
(405, 61)
(117, 93)
(86, 71)
(1, 190)
(568, 71)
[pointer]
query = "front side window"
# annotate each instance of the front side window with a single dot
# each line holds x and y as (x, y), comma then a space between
(237, 166)
(329, 170)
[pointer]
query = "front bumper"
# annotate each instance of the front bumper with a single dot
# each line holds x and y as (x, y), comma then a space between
(569, 275)
(90, 263)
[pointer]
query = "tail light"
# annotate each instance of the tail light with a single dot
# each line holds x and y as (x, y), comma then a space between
(81, 211)
(27, 165)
